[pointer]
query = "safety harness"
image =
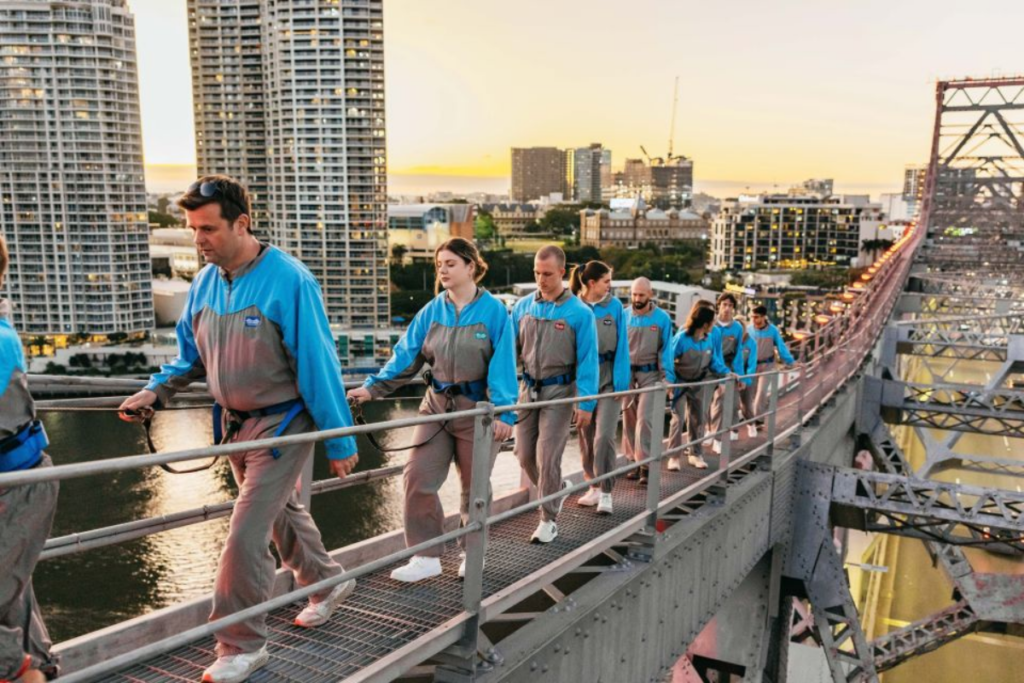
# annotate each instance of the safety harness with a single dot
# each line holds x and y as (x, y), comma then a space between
(24, 449)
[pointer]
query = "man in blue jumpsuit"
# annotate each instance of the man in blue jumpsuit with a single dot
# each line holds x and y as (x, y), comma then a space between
(254, 327)
(26, 514)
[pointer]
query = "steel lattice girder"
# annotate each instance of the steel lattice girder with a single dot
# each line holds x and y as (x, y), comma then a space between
(956, 407)
(976, 173)
(973, 286)
(952, 513)
(924, 635)
(984, 338)
(956, 305)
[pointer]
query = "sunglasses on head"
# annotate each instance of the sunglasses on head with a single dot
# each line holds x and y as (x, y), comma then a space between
(212, 188)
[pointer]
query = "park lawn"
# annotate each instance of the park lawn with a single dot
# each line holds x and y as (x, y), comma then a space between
(529, 246)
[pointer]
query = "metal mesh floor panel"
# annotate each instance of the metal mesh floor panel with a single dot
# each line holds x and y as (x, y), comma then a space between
(384, 615)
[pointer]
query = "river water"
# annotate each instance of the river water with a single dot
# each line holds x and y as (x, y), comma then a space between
(90, 590)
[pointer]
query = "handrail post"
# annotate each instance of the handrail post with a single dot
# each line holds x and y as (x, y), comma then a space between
(461, 660)
(724, 438)
(647, 539)
(770, 419)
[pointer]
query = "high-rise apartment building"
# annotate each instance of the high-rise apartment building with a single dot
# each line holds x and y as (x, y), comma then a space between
(289, 98)
(790, 231)
(72, 190)
(913, 187)
(585, 179)
(537, 172)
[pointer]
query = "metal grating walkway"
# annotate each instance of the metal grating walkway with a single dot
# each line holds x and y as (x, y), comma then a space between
(384, 615)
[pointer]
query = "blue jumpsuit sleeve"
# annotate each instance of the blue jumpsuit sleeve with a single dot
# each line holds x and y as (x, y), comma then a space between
(587, 366)
(751, 358)
(718, 365)
(784, 353)
(11, 356)
(406, 358)
(187, 366)
(307, 336)
(668, 364)
(621, 372)
(501, 372)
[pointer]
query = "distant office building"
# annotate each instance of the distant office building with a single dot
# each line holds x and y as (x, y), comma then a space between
(662, 184)
(288, 97)
(895, 206)
(72, 191)
(823, 187)
(786, 231)
(913, 188)
(585, 178)
(637, 226)
(420, 228)
(173, 253)
(537, 172)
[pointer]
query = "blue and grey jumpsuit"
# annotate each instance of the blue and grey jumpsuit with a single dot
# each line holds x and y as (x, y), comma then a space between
(694, 362)
(766, 342)
(730, 342)
(471, 354)
(650, 355)
(597, 440)
(261, 340)
(26, 514)
(557, 345)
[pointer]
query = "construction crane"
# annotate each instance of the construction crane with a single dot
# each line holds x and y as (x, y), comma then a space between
(659, 161)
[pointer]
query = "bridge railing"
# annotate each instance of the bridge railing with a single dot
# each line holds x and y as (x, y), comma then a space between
(835, 353)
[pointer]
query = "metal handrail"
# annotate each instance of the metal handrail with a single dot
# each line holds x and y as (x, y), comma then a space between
(484, 415)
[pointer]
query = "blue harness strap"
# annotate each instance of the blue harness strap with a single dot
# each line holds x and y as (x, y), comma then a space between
(649, 367)
(23, 450)
(531, 382)
(236, 417)
(475, 390)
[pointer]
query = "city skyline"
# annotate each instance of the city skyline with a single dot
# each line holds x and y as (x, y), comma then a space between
(841, 99)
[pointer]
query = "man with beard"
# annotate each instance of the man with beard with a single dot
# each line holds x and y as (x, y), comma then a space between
(649, 330)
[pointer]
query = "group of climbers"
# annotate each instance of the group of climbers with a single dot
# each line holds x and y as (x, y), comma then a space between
(254, 328)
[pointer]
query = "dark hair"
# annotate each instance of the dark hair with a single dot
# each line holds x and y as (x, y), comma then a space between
(223, 190)
(698, 318)
(466, 251)
(4, 257)
(552, 251)
(706, 303)
(760, 310)
(581, 276)
(728, 296)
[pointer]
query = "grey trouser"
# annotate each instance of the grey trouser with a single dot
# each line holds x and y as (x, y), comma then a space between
(597, 442)
(541, 436)
(636, 418)
(267, 507)
(26, 515)
(689, 409)
(426, 471)
(743, 406)
(760, 392)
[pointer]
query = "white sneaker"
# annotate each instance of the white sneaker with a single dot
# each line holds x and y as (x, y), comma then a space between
(605, 506)
(462, 565)
(236, 668)
(698, 462)
(734, 435)
(566, 483)
(673, 464)
(751, 431)
(315, 614)
(545, 533)
(418, 569)
(590, 498)
(716, 446)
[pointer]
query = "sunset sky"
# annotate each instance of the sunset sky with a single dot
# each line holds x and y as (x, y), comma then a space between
(769, 92)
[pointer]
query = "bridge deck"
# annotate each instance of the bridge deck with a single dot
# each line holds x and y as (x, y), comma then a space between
(384, 615)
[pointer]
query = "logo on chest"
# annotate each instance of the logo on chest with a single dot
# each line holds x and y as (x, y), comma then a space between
(654, 328)
(481, 335)
(607, 321)
(252, 321)
(559, 326)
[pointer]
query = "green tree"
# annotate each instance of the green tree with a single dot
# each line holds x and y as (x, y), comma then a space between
(485, 228)
(398, 253)
(164, 220)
